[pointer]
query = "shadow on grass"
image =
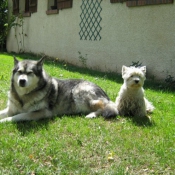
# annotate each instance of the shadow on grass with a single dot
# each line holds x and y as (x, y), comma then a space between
(72, 68)
(113, 76)
(28, 127)
(144, 121)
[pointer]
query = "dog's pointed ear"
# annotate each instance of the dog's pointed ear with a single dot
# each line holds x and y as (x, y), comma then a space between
(124, 69)
(41, 61)
(143, 69)
(15, 60)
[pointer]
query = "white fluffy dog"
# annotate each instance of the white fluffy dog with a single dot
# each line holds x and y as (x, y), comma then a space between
(131, 100)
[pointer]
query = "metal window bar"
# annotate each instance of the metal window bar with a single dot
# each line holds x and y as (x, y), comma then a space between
(90, 20)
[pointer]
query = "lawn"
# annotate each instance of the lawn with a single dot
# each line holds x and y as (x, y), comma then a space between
(75, 145)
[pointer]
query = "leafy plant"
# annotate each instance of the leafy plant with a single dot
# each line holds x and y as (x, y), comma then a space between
(83, 59)
(19, 22)
(170, 81)
(3, 20)
(6, 24)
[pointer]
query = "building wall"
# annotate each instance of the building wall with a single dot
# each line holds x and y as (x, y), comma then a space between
(128, 34)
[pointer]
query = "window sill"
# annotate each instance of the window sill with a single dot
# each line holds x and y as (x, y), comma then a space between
(51, 12)
(26, 14)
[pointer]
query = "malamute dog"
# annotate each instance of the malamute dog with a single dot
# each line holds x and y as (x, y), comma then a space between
(35, 95)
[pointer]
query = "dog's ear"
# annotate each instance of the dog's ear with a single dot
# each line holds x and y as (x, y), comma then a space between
(143, 69)
(15, 60)
(41, 61)
(124, 69)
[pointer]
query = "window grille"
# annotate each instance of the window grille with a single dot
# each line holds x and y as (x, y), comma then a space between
(90, 20)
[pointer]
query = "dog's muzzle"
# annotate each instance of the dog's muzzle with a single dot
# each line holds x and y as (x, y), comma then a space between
(136, 81)
(22, 82)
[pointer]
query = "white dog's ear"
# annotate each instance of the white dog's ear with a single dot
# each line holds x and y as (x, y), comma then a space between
(15, 60)
(124, 69)
(41, 61)
(143, 69)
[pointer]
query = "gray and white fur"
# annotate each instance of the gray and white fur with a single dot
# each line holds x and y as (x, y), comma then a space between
(35, 95)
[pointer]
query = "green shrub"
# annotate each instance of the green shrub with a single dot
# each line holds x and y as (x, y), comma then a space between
(3, 21)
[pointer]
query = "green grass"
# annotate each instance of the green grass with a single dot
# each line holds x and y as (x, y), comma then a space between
(75, 145)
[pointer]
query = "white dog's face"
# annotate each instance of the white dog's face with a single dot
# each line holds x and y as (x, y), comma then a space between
(134, 77)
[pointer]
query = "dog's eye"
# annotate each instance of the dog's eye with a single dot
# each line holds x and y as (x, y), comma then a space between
(20, 72)
(29, 73)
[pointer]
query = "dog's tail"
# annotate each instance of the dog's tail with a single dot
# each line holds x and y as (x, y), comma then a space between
(103, 107)
(110, 110)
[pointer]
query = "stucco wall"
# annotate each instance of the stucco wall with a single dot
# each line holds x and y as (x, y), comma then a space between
(145, 34)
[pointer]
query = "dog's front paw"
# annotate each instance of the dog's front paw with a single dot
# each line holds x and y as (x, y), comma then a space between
(91, 115)
(4, 113)
(8, 119)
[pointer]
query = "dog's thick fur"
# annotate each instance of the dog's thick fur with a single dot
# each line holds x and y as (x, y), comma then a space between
(35, 95)
(131, 100)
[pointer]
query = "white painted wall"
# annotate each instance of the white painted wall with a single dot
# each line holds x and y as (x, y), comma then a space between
(145, 34)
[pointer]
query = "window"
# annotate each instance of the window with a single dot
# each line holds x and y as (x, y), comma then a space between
(55, 5)
(15, 7)
(132, 3)
(52, 7)
(31, 6)
(114, 1)
(63, 4)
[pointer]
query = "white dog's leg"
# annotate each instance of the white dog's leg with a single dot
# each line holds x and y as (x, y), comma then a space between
(149, 106)
(3, 113)
(141, 113)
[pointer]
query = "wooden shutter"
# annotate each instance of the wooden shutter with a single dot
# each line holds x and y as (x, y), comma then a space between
(63, 4)
(115, 1)
(132, 3)
(26, 6)
(33, 5)
(15, 7)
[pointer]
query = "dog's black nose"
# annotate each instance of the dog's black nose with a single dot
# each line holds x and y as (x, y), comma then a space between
(136, 81)
(22, 82)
